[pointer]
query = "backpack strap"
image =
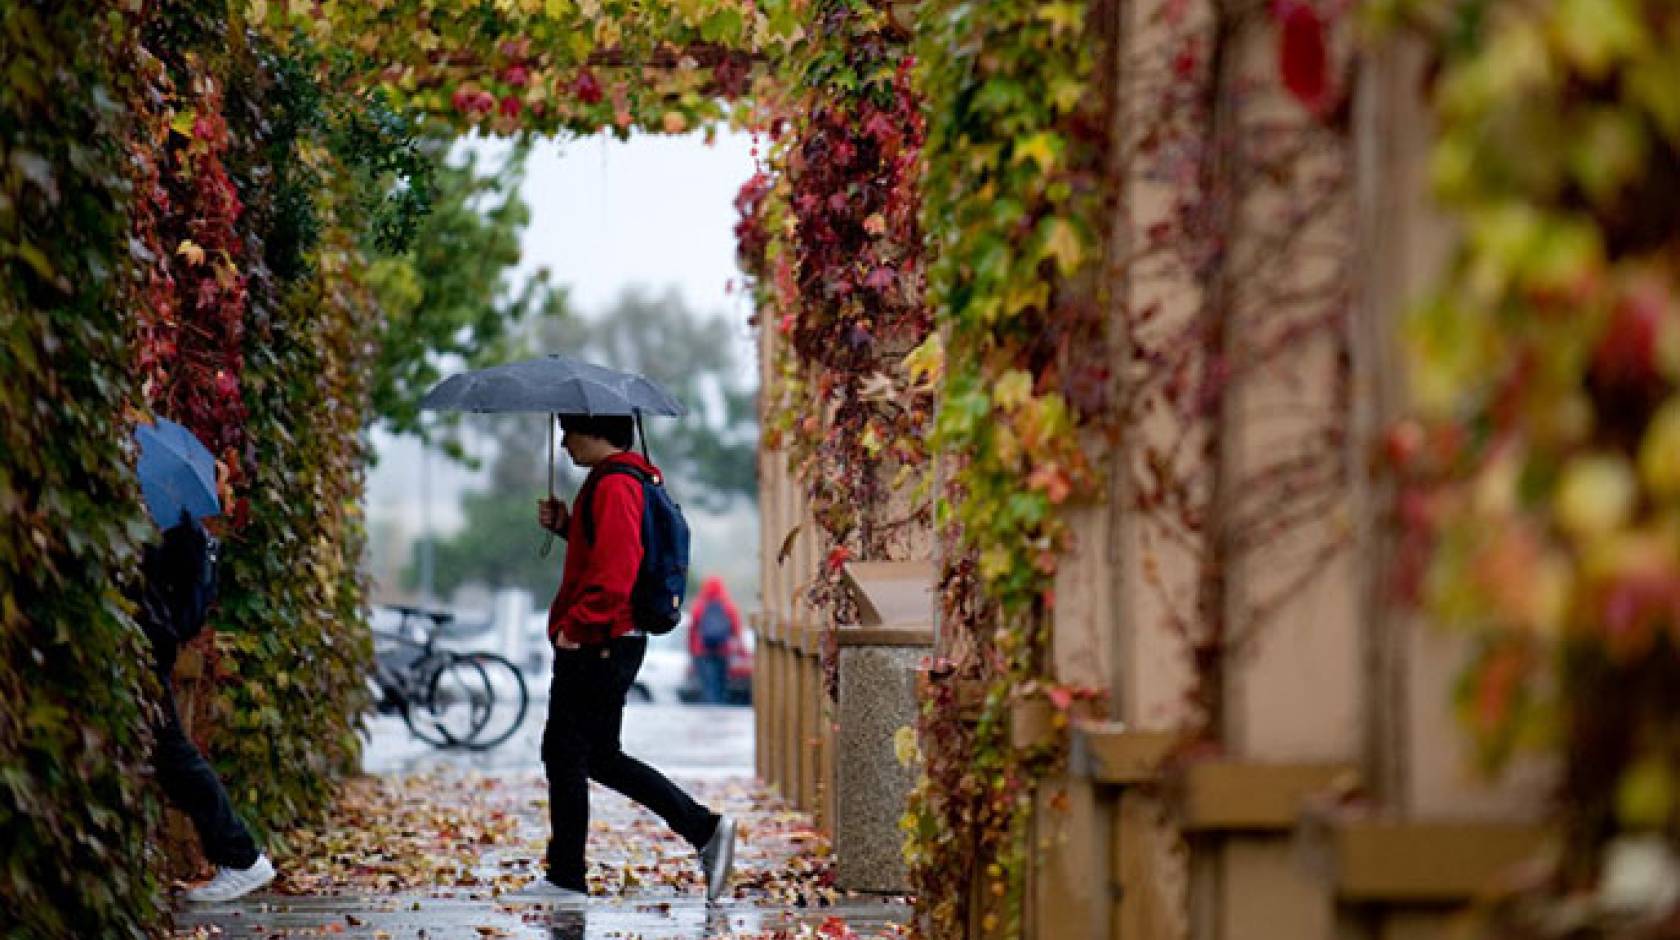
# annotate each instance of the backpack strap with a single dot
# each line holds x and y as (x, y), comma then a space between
(586, 496)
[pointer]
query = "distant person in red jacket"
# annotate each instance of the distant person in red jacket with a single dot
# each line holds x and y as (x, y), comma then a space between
(597, 652)
(713, 635)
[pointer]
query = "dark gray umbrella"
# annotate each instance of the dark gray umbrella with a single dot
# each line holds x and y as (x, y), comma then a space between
(557, 385)
(553, 384)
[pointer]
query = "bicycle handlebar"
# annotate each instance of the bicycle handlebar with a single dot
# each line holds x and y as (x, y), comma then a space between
(438, 617)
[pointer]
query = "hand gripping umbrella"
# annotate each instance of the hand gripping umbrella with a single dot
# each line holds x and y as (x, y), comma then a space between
(177, 474)
(556, 385)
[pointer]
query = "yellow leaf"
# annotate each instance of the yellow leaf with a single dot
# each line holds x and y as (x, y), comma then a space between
(1007, 447)
(38, 260)
(1040, 148)
(904, 746)
(870, 440)
(191, 251)
(1022, 296)
(1065, 93)
(926, 363)
(1062, 242)
(1062, 16)
(994, 563)
(1013, 389)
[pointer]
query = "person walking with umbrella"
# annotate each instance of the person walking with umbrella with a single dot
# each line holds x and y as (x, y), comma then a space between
(599, 615)
(177, 585)
(598, 651)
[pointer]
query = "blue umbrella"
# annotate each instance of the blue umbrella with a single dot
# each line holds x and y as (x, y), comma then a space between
(177, 473)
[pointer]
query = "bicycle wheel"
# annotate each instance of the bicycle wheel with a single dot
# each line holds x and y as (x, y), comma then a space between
(455, 701)
(509, 702)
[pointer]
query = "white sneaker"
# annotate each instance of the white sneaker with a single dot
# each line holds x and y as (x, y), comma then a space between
(544, 890)
(718, 856)
(231, 883)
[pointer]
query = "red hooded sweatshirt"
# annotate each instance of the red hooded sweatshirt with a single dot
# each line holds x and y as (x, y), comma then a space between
(593, 603)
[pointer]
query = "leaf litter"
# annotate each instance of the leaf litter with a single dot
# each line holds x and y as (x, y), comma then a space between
(392, 843)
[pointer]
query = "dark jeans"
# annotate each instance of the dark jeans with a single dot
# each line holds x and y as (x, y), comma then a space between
(713, 671)
(581, 743)
(193, 788)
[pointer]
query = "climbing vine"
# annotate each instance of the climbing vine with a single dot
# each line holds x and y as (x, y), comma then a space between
(549, 66)
(929, 225)
(1539, 472)
(307, 349)
(76, 816)
(1239, 286)
(831, 236)
(1014, 200)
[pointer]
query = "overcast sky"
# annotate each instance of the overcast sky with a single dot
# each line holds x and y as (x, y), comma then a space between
(606, 215)
(654, 211)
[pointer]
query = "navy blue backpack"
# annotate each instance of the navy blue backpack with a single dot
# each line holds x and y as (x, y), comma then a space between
(656, 600)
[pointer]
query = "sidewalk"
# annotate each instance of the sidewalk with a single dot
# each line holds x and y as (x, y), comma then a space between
(440, 849)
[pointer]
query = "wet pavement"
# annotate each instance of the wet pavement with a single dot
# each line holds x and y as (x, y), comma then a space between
(440, 844)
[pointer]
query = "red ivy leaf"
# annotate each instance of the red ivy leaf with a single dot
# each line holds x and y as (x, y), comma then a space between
(1303, 54)
(838, 557)
(587, 87)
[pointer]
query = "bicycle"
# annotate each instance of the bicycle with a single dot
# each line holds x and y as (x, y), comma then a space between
(447, 699)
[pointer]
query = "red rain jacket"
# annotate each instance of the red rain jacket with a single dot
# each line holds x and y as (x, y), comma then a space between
(711, 592)
(593, 603)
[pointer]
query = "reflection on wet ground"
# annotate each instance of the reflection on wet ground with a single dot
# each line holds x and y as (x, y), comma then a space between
(442, 844)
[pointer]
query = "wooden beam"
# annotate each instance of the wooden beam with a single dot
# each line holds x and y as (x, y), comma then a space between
(1396, 862)
(1237, 795)
(1110, 753)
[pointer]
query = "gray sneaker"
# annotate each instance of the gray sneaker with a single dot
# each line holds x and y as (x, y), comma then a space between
(718, 856)
(543, 890)
(233, 883)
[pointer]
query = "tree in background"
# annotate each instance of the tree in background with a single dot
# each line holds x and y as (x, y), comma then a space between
(444, 288)
(709, 455)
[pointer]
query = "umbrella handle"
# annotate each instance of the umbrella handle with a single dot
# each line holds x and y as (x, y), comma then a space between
(548, 540)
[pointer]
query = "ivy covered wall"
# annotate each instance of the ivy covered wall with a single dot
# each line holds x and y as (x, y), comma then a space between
(76, 814)
(181, 229)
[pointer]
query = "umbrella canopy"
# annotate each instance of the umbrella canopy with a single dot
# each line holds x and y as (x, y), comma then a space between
(554, 384)
(559, 385)
(177, 474)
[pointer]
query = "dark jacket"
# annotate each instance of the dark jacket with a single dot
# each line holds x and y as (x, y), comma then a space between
(177, 584)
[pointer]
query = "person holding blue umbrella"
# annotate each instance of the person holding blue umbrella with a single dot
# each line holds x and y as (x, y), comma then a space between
(177, 585)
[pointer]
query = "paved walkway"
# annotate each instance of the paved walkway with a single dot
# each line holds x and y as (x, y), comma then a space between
(440, 846)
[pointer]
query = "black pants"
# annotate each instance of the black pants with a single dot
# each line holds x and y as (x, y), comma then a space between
(581, 743)
(193, 788)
